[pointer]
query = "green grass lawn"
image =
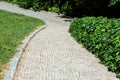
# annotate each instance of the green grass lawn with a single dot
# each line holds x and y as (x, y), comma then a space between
(13, 29)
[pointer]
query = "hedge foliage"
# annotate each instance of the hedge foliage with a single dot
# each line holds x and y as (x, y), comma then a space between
(77, 8)
(101, 36)
(37, 5)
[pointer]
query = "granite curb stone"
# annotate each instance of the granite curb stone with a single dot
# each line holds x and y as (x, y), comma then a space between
(15, 60)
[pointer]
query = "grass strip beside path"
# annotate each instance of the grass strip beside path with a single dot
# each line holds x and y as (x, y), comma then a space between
(13, 29)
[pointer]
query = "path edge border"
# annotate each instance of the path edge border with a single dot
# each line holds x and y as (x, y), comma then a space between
(13, 64)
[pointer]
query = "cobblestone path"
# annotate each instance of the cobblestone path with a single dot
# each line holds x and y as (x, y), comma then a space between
(54, 55)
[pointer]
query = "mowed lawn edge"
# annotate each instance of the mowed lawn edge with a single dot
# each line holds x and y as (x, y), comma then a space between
(13, 29)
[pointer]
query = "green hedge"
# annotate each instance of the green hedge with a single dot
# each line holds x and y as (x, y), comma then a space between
(101, 36)
(75, 8)
(37, 5)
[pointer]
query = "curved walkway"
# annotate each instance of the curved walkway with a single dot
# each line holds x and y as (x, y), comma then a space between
(53, 54)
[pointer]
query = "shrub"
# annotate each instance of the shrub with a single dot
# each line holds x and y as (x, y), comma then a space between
(101, 36)
(37, 5)
(75, 8)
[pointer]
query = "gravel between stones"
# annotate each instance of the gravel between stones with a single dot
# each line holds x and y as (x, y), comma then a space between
(53, 54)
